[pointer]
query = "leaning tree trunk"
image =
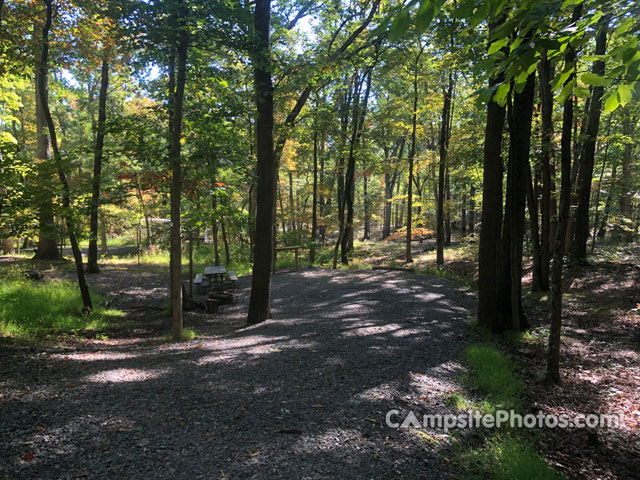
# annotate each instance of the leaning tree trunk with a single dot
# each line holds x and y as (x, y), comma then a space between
(259, 309)
(579, 251)
(47, 246)
(66, 191)
(92, 262)
(553, 357)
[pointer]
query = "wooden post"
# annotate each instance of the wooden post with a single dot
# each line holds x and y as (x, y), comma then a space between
(296, 250)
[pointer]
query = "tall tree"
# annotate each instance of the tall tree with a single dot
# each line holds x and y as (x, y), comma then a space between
(259, 309)
(412, 153)
(587, 157)
(92, 260)
(443, 146)
(553, 357)
(176, 91)
(491, 217)
(47, 246)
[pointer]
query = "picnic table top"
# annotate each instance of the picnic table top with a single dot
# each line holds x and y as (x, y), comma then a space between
(217, 270)
(294, 247)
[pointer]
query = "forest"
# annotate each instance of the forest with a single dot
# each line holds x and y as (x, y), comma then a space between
(237, 235)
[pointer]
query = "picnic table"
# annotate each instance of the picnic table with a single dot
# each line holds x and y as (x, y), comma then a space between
(215, 274)
(285, 249)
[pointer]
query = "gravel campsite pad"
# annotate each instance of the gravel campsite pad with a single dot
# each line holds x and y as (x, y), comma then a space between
(302, 396)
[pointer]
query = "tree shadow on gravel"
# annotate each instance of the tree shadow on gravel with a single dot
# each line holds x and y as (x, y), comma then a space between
(301, 396)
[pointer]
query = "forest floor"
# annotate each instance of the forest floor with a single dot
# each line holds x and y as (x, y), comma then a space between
(302, 396)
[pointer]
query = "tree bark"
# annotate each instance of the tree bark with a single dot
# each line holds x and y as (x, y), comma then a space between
(443, 143)
(314, 200)
(412, 152)
(553, 356)
(259, 309)
(520, 141)
(176, 172)
(491, 217)
(626, 180)
(47, 246)
(579, 251)
(546, 103)
(92, 262)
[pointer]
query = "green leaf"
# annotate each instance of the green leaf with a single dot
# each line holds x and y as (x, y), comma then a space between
(611, 103)
(399, 26)
(594, 79)
(624, 26)
(424, 16)
(565, 92)
(568, 3)
(497, 45)
(500, 96)
(581, 92)
(465, 10)
(624, 94)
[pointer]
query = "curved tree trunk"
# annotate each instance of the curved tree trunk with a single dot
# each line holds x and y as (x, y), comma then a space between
(66, 192)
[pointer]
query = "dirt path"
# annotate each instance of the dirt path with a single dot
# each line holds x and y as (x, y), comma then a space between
(301, 396)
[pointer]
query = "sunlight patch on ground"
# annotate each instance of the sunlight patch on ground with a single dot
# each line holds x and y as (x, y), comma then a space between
(372, 330)
(125, 375)
(93, 356)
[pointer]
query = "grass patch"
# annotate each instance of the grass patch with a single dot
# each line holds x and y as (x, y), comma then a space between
(503, 453)
(492, 375)
(505, 457)
(34, 309)
(187, 334)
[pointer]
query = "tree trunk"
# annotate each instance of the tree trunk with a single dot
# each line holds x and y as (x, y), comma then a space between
(491, 216)
(472, 210)
(66, 192)
(626, 180)
(259, 309)
(546, 103)
(176, 172)
(47, 245)
(536, 279)
(367, 210)
(92, 262)
(443, 144)
(602, 231)
(520, 139)
(412, 152)
(553, 357)
(596, 220)
(314, 200)
(579, 251)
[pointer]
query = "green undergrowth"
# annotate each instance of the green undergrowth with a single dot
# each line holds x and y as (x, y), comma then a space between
(502, 453)
(187, 334)
(31, 309)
